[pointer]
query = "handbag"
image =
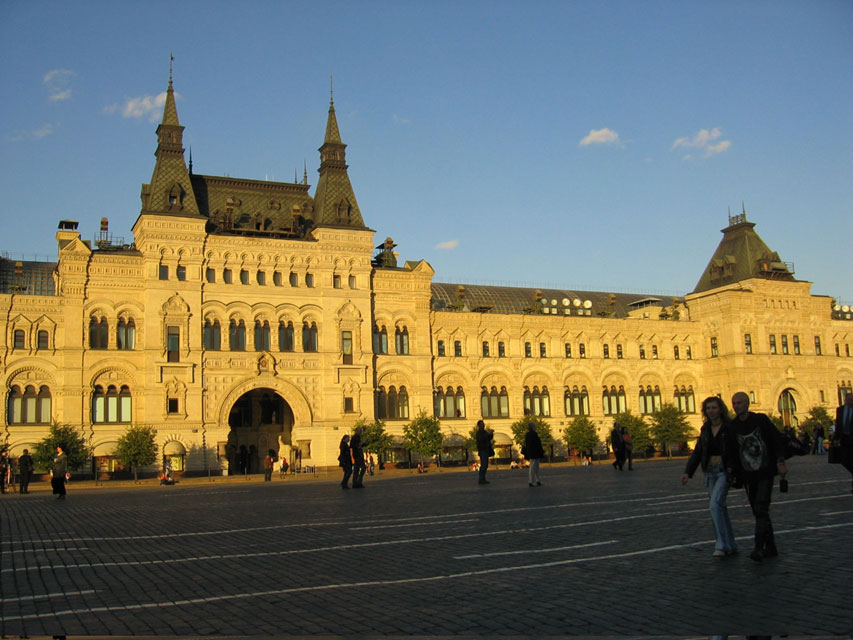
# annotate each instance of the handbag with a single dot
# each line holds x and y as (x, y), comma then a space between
(833, 456)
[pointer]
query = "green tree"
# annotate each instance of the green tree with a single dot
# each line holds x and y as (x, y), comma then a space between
(638, 428)
(519, 430)
(816, 417)
(581, 434)
(72, 443)
(423, 436)
(669, 424)
(136, 448)
(374, 437)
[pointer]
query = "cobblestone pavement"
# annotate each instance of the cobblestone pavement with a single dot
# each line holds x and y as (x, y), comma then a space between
(593, 552)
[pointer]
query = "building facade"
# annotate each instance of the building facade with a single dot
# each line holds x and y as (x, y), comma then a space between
(249, 315)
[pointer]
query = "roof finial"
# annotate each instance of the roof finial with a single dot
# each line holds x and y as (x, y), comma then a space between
(295, 176)
(743, 208)
(304, 171)
(191, 160)
(171, 60)
(331, 91)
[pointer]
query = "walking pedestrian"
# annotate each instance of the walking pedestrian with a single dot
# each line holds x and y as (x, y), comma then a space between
(710, 452)
(5, 470)
(25, 467)
(819, 436)
(345, 461)
(618, 445)
(628, 445)
(269, 463)
(485, 450)
(757, 453)
(58, 473)
(358, 466)
(843, 436)
(534, 452)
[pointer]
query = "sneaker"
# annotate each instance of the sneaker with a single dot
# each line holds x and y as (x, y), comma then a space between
(719, 553)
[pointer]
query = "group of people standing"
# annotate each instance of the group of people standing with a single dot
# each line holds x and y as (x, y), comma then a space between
(58, 472)
(351, 460)
(623, 447)
(532, 450)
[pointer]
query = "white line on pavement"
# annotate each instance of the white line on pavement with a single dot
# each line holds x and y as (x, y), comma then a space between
(43, 596)
(525, 551)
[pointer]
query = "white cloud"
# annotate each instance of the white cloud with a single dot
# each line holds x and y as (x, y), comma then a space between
(399, 120)
(34, 134)
(600, 136)
(448, 245)
(708, 141)
(141, 107)
(57, 81)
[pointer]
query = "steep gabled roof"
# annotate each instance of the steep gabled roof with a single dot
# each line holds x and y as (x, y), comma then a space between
(741, 255)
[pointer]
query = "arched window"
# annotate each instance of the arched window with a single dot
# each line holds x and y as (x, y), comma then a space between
(111, 405)
(262, 335)
(285, 336)
(19, 339)
(684, 399)
(309, 337)
(650, 399)
(613, 401)
(237, 336)
(449, 404)
(494, 403)
(536, 402)
(98, 333)
(380, 339)
(788, 408)
(401, 340)
(29, 406)
(393, 404)
(212, 335)
(125, 334)
(43, 340)
(576, 401)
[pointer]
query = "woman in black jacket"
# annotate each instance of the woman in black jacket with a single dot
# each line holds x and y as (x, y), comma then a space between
(710, 453)
(345, 461)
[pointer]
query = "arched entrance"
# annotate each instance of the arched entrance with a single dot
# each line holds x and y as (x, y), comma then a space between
(259, 420)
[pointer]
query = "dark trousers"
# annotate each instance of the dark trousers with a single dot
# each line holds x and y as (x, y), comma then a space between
(58, 484)
(347, 473)
(484, 465)
(759, 491)
(358, 473)
(268, 475)
(629, 455)
(25, 481)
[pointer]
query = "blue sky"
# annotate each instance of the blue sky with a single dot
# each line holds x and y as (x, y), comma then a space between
(588, 145)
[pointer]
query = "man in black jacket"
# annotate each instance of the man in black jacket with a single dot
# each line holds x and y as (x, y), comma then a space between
(757, 454)
(25, 466)
(358, 465)
(484, 449)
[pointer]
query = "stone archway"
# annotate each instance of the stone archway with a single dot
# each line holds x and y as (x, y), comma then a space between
(259, 420)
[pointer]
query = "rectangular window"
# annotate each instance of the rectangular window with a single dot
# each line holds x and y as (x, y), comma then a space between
(441, 348)
(528, 350)
(714, 352)
(796, 345)
(262, 278)
(276, 278)
(689, 353)
(210, 275)
(309, 280)
(181, 272)
(457, 348)
(772, 344)
(244, 276)
(752, 397)
(822, 396)
(485, 349)
(226, 276)
(747, 342)
(349, 405)
(784, 345)
(642, 353)
(173, 344)
(654, 352)
(582, 350)
(172, 405)
(336, 281)
(817, 349)
(19, 338)
(847, 350)
(675, 353)
(352, 282)
(606, 350)
(568, 348)
(163, 273)
(501, 350)
(543, 352)
(43, 340)
(619, 353)
(294, 279)
(837, 350)
(346, 346)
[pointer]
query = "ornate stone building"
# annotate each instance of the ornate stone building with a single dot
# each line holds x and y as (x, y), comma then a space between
(248, 315)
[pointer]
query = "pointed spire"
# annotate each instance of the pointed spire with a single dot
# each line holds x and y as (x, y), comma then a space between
(304, 171)
(170, 111)
(191, 161)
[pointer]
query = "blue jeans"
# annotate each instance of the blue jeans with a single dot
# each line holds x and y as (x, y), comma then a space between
(718, 489)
